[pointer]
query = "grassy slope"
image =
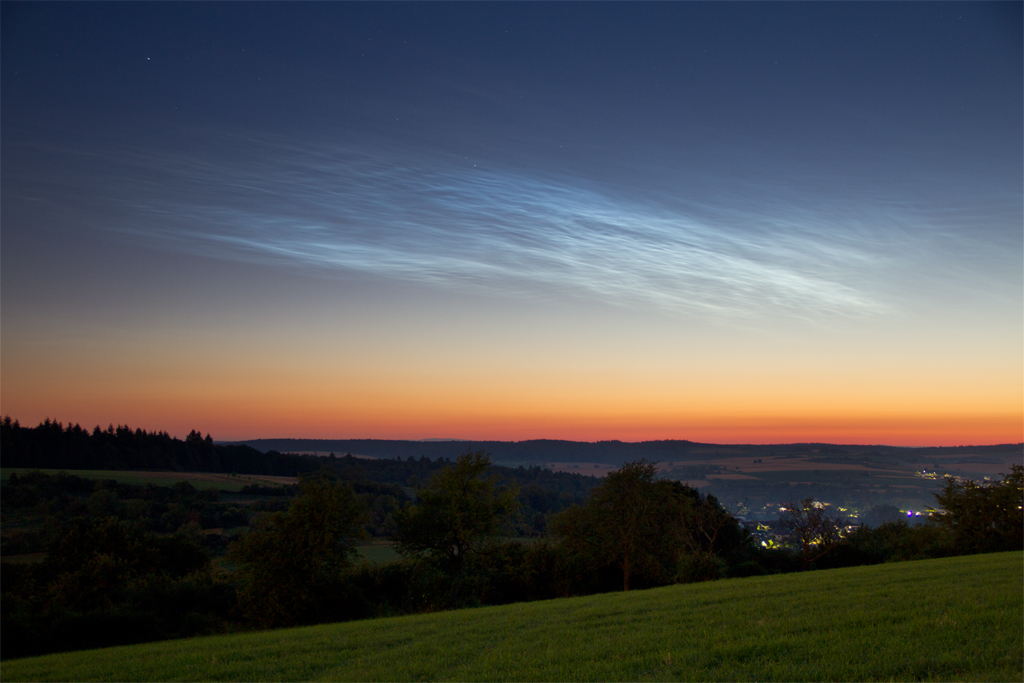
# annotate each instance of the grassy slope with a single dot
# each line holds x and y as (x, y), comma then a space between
(378, 553)
(202, 481)
(948, 619)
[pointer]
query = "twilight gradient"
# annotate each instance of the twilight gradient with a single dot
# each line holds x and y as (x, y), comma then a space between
(711, 222)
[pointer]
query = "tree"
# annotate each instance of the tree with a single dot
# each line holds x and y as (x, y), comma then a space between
(983, 517)
(291, 562)
(459, 514)
(816, 529)
(625, 522)
(705, 530)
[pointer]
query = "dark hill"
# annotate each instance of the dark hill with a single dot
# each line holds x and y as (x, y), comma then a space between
(617, 452)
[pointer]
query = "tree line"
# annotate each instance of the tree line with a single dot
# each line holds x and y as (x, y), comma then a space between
(52, 445)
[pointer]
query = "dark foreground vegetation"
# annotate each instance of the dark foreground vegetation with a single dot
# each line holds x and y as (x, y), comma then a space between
(122, 563)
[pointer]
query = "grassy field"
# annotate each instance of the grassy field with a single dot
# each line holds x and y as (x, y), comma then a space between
(378, 553)
(200, 480)
(948, 619)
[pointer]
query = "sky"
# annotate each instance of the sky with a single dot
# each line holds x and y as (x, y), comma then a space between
(721, 222)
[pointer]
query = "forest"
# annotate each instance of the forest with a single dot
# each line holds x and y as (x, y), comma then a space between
(113, 563)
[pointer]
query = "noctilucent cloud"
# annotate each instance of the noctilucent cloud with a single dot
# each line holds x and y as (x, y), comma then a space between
(720, 222)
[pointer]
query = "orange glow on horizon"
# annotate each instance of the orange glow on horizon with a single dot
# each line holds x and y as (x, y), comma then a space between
(252, 395)
(248, 423)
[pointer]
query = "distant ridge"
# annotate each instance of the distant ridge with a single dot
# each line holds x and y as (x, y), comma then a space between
(605, 452)
(539, 450)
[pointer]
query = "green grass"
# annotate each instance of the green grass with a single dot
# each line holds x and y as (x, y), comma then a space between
(947, 619)
(378, 553)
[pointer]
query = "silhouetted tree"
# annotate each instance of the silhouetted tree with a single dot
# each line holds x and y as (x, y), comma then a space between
(983, 517)
(816, 528)
(458, 514)
(290, 565)
(626, 523)
(705, 532)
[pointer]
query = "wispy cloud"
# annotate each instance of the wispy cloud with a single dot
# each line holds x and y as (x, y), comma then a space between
(444, 221)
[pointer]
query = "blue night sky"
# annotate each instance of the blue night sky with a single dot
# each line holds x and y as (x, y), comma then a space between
(715, 221)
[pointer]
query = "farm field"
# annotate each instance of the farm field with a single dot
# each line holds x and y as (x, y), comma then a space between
(202, 481)
(946, 619)
(378, 553)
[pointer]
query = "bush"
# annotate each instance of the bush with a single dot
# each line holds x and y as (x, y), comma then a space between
(696, 567)
(983, 517)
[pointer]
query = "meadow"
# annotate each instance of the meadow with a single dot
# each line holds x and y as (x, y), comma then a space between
(201, 481)
(380, 552)
(943, 619)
